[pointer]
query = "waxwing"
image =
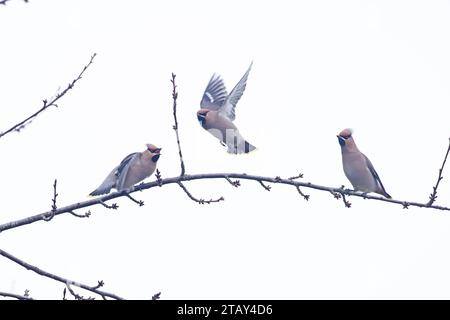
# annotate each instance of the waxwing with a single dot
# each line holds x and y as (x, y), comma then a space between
(133, 169)
(357, 167)
(217, 113)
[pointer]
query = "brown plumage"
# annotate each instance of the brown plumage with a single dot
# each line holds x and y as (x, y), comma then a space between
(217, 113)
(357, 167)
(133, 169)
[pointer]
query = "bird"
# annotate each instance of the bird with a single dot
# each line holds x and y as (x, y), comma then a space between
(357, 167)
(134, 168)
(217, 113)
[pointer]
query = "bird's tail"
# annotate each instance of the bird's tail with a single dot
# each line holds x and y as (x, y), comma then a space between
(248, 147)
(245, 147)
(387, 195)
(98, 192)
(104, 188)
(384, 193)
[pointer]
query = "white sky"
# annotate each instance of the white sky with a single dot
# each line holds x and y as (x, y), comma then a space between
(380, 67)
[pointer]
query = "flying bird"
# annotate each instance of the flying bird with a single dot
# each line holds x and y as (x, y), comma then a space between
(217, 113)
(358, 168)
(133, 169)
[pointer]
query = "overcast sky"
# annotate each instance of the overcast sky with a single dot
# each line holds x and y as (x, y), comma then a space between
(379, 67)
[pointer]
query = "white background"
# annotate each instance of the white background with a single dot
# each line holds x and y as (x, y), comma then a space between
(379, 67)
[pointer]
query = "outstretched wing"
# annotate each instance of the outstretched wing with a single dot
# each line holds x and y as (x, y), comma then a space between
(215, 94)
(230, 104)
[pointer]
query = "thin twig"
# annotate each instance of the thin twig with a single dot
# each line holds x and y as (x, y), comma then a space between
(140, 203)
(54, 207)
(58, 278)
(199, 201)
(341, 192)
(175, 127)
(100, 284)
(299, 176)
(114, 206)
(47, 104)
(208, 176)
(55, 194)
(3, 2)
(346, 202)
(433, 195)
(158, 177)
(15, 296)
(76, 295)
(235, 183)
(156, 296)
(267, 187)
(305, 196)
(86, 215)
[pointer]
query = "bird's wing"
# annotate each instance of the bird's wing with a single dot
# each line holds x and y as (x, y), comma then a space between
(230, 104)
(374, 174)
(106, 185)
(123, 168)
(215, 94)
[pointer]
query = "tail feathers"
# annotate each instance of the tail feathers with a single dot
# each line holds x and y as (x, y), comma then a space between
(249, 147)
(103, 189)
(384, 193)
(246, 147)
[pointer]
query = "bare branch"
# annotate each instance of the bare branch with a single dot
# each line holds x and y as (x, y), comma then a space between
(208, 176)
(85, 215)
(264, 186)
(299, 176)
(140, 203)
(114, 206)
(100, 284)
(47, 104)
(235, 183)
(433, 195)
(346, 202)
(13, 295)
(67, 282)
(340, 194)
(156, 296)
(199, 201)
(3, 2)
(52, 212)
(175, 127)
(76, 295)
(305, 196)
(55, 194)
(158, 177)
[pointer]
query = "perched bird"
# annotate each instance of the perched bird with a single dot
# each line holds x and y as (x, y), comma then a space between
(217, 113)
(357, 167)
(133, 169)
